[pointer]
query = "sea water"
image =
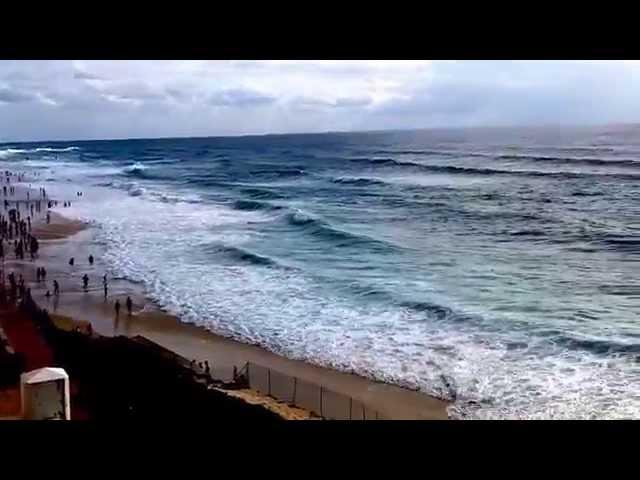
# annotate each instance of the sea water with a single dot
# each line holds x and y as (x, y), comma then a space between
(497, 268)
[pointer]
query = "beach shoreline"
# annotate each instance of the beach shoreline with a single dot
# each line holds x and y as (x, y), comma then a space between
(65, 237)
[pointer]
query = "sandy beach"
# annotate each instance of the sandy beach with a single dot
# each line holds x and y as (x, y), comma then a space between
(64, 238)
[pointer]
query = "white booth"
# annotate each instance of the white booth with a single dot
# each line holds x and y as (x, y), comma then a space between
(45, 394)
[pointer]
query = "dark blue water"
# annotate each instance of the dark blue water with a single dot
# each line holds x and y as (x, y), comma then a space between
(496, 267)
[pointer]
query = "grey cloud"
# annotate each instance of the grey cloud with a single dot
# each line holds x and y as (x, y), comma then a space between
(81, 75)
(477, 93)
(341, 102)
(130, 90)
(240, 98)
(60, 99)
(353, 102)
(183, 95)
(8, 95)
(310, 102)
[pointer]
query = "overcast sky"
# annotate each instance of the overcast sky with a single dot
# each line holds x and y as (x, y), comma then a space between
(55, 100)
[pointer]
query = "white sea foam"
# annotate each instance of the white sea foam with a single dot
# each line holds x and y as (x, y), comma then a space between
(55, 150)
(136, 167)
(291, 315)
(288, 312)
(8, 152)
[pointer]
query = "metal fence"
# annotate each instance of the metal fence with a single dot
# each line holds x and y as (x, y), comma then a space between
(291, 390)
(309, 396)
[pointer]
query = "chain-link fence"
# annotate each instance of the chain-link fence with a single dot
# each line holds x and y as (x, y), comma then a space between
(309, 396)
(291, 390)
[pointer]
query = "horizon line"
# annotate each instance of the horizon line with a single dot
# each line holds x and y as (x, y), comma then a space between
(329, 132)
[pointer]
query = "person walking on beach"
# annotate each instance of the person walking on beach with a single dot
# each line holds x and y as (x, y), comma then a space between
(56, 288)
(104, 284)
(90, 259)
(85, 281)
(21, 286)
(48, 217)
(117, 307)
(129, 305)
(34, 247)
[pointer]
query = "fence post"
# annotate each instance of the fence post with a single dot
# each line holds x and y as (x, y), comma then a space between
(321, 402)
(269, 380)
(295, 389)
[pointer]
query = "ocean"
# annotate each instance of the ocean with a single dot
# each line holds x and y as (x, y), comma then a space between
(497, 268)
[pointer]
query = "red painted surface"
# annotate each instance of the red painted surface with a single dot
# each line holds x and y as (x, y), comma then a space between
(25, 338)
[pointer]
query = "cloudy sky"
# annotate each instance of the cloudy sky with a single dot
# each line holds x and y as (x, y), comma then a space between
(55, 100)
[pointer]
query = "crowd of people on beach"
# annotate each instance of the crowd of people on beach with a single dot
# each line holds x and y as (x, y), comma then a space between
(15, 231)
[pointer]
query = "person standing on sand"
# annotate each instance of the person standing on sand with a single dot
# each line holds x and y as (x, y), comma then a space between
(21, 286)
(129, 305)
(85, 281)
(71, 260)
(90, 259)
(34, 247)
(56, 288)
(117, 307)
(104, 284)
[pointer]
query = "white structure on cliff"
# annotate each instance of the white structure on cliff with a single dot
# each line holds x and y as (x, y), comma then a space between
(45, 394)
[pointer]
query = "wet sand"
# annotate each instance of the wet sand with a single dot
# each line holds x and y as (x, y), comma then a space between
(64, 238)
